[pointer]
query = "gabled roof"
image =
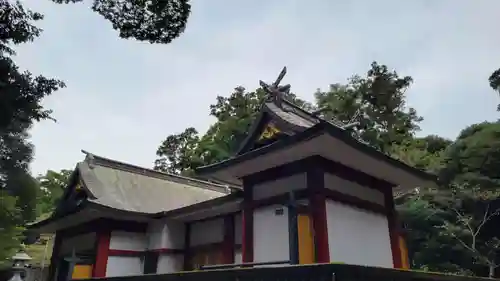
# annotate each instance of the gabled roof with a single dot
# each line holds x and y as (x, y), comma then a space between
(289, 117)
(296, 125)
(127, 187)
(315, 132)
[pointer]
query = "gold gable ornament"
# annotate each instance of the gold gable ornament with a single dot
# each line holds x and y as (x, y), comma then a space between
(269, 132)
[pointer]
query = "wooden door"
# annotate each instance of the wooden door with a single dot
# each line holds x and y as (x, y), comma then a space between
(306, 239)
(206, 257)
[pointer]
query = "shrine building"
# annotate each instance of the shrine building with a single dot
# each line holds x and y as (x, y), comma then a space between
(117, 219)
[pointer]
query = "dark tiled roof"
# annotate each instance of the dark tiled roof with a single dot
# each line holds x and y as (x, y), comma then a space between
(127, 187)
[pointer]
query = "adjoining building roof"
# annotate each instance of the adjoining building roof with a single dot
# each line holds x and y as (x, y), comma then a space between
(126, 187)
(117, 189)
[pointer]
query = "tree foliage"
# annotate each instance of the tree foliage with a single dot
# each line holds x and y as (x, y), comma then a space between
(10, 231)
(450, 227)
(456, 222)
(154, 21)
(494, 80)
(181, 153)
(378, 102)
(378, 98)
(52, 186)
(20, 106)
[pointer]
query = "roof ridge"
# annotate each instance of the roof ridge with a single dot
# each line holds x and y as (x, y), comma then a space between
(115, 164)
(334, 121)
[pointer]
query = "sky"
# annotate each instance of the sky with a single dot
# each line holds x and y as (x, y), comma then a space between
(124, 97)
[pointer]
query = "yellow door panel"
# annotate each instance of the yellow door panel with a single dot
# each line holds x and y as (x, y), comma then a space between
(405, 262)
(306, 240)
(82, 271)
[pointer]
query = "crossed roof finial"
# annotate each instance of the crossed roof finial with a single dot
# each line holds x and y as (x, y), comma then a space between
(275, 92)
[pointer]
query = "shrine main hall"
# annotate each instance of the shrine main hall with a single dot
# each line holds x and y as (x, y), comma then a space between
(295, 171)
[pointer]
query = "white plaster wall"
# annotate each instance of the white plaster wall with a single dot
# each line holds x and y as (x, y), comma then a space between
(238, 257)
(79, 243)
(238, 229)
(206, 232)
(351, 188)
(270, 234)
(124, 266)
(166, 234)
(128, 241)
(280, 186)
(357, 236)
(170, 263)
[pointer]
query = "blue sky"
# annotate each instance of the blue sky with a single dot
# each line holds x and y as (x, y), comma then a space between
(124, 97)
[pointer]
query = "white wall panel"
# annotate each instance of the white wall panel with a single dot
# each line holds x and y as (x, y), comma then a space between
(351, 188)
(128, 241)
(280, 186)
(358, 237)
(124, 266)
(270, 234)
(166, 234)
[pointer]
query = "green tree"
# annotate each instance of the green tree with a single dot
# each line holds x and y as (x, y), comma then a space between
(20, 106)
(377, 102)
(428, 248)
(176, 152)
(52, 186)
(156, 21)
(494, 80)
(473, 187)
(10, 231)
(453, 227)
(425, 153)
(469, 210)
(181, 153)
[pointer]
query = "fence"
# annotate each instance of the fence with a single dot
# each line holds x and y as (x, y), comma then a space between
(317, 272)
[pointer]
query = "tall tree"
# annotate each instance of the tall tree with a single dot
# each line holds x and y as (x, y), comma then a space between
(234, 114)
(494, 80)
(176, 152)
(473, 189)
(10, 231)
(154, 21)
(20, 106)
(453, 227)
(428, 248)
(377, 102)
(52, 186)
(470, 209)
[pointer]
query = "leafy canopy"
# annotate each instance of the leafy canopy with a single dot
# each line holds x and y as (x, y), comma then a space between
(154, 21)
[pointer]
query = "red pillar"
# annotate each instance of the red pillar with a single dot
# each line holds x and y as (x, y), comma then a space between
(247, 225)
(317, 206)
(103, 238)
(228, 246)
(393, 227)
(320, 228)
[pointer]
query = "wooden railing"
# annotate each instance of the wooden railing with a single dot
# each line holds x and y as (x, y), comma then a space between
(317, 272)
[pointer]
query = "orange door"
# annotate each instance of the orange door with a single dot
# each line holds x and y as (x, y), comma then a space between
(306, 240)
(82, 271)
(404, 253)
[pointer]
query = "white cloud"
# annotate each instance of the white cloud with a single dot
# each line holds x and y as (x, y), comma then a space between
(124, 97)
